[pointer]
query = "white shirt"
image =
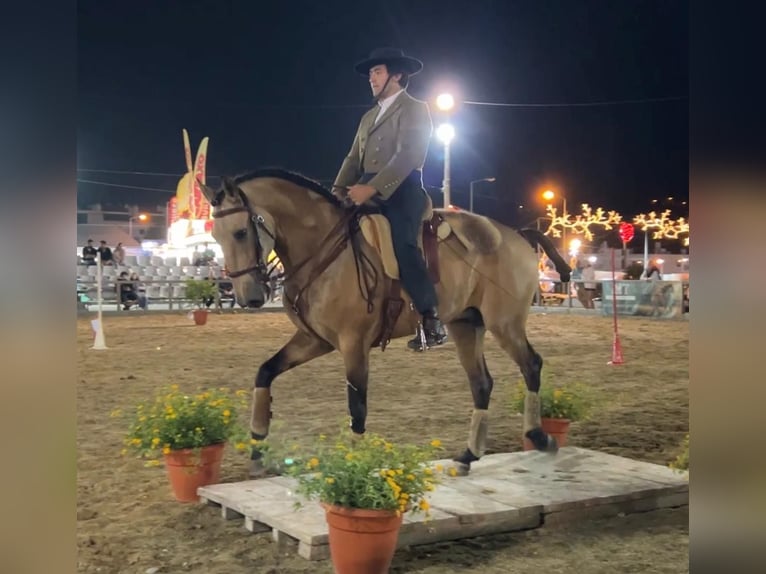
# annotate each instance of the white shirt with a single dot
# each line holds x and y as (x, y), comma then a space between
(384, 104)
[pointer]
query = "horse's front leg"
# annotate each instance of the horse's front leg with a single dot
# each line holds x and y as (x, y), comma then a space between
(301, 348)
(357, 361)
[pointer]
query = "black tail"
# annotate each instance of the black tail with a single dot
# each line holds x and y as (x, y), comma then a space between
(535, 238)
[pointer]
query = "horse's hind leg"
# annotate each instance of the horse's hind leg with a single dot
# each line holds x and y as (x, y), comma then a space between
(513, 339)
(468, 334)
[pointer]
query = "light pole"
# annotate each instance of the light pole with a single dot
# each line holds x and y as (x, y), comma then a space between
(470, 205)
(446, 133)
(140, 217)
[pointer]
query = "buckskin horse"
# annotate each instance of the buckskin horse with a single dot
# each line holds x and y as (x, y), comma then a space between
(341, 290)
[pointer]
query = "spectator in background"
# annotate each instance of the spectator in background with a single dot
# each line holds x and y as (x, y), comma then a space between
(654, 272)
(118, 254)
(106, 254)
(89, 253)
(128, 294)
(589, 285)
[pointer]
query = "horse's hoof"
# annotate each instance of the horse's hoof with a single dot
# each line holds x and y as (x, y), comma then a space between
(257, 470)
(542, 441)
(461, 469)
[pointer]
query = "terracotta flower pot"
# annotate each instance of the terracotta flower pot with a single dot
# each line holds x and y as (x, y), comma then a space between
(557, 428)
(362, 541)
(200, 316)
(188, 469)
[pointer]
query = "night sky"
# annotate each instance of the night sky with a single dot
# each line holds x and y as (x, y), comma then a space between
(272, 84)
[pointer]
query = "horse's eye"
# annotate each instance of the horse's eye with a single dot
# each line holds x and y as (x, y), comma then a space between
(240, 234)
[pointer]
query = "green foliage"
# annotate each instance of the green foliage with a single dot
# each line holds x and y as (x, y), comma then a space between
(198, 290)
(565, 402)
(175, 421)
(682, 460)
(366, 472)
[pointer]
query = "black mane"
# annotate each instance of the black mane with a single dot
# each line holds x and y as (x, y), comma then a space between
(292, 177)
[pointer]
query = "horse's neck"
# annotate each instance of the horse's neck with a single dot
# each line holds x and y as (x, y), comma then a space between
(303, 232)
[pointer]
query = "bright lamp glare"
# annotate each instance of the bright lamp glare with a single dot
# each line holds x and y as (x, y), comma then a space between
(445, 102)
(446, 133)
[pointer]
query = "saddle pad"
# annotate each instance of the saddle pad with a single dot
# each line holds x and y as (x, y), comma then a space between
(377, 232)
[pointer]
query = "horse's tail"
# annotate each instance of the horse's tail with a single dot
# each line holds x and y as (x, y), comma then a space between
(535, 238)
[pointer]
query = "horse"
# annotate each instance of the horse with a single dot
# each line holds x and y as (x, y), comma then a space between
(336, 293)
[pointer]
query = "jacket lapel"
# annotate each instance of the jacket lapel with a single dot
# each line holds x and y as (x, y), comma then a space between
(396, 104)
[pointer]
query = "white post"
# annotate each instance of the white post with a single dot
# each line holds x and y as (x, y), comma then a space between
(99, 343)
(646, 253)
(470, 205)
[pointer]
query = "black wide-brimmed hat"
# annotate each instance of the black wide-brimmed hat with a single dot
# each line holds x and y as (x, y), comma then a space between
(389, 56)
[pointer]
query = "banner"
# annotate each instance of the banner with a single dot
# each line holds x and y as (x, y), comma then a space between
(661, 299)
(172, 211)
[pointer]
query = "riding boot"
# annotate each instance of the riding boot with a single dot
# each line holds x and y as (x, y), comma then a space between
(431, 329)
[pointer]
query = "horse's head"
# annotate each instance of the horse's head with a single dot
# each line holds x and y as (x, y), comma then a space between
(246, 236)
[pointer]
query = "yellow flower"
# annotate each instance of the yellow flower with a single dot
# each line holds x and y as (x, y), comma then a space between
(410, 477)
(390, 473)
(227, 413)
(436, 443)
(427, 471)
(329, 480)
(424, 505)
(136, 442)
(314, 462)
(254, 442)
(452, 471)
(558, 393)
(173, 387)
(350, 456)
(439, 468)
(155, 441)
(240, 446)
(399, 471)
(166, 449)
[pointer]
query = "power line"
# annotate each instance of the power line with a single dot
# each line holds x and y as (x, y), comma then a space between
(125, 186)
(120, 172)
(579, 104)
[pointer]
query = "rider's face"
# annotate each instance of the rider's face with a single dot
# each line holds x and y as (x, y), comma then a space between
(378, 76)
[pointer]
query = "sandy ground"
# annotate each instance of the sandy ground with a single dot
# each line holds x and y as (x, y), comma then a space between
(129, 522)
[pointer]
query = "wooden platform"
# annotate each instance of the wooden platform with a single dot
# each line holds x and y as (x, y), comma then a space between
(504, 492)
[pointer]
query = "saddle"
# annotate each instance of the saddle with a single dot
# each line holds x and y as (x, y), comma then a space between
(376, 231)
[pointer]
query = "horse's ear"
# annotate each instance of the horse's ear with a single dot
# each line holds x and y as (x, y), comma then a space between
(229, 185)
(207, 191)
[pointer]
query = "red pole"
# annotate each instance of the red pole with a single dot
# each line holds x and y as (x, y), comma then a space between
(616, 347)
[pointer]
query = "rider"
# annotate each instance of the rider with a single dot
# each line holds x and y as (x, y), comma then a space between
(385, 164)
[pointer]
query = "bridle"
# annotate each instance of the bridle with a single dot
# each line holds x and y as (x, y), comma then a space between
(262, 272)
(337, 239)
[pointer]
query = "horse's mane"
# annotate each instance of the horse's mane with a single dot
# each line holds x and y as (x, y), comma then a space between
(292, 177)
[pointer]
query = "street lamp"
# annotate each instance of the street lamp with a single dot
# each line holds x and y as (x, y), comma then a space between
(445, 102)
(446, 133)
(489, 179)
(140, 217)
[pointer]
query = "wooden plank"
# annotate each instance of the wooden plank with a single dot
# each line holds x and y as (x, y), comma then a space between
(504, 492)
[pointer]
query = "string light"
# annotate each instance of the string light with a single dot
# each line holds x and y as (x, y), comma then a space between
(662, 226)
(580, 224)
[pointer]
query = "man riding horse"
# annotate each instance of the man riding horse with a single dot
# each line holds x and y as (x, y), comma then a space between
(385, 166)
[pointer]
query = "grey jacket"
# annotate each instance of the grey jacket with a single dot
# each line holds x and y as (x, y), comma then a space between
(392, 148)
